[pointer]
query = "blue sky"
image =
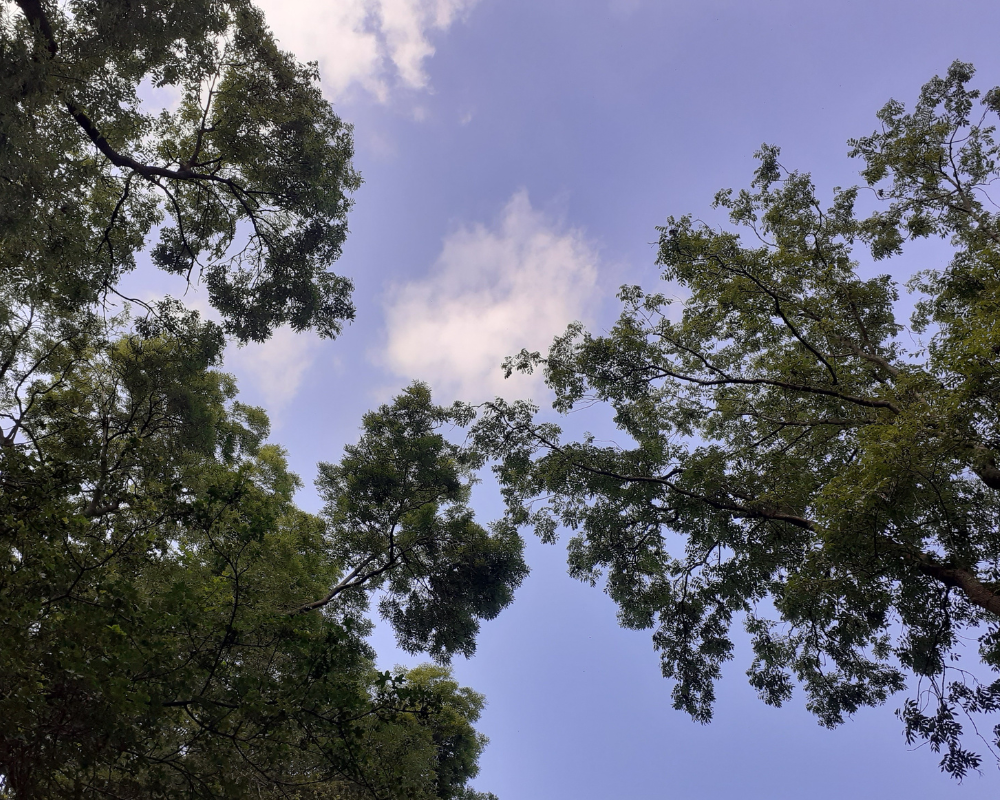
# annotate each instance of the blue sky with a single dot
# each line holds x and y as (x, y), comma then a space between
(517, 156)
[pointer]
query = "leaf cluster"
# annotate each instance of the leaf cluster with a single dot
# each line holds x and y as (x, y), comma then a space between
(246, 180)
(157, 638)
(785, 461)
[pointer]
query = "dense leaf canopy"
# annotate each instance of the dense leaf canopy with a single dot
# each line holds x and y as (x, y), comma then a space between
(791, 459)
(159, 633)
(245, 176)
(171, 624)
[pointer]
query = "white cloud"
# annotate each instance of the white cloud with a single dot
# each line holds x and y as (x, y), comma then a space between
(269, 372)
(375, 44)
(625, 8)
(275, 368)
(490, 293)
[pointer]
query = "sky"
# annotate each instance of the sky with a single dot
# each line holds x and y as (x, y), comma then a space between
(517, 158)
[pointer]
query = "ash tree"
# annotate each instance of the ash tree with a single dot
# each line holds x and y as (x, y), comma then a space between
(172, 625)
(793, 457)
(161, 633)
(246, 182)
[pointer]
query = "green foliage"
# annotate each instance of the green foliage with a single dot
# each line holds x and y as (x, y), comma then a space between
(156, 576)
(246, 180)
(172, 625)
(397, 506)
(788, 461)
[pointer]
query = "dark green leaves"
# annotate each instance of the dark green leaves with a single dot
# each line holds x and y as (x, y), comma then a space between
(396, 506)
(248, 178)
(150, 554)
(152, 560)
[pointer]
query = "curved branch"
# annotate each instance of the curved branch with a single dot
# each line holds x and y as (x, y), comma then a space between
(34, 12)
(348, 581)
(986, 470)
(127, 162)
(974, 590)
(803, 342)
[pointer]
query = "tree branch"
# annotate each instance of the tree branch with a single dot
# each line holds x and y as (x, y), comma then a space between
(803, 342)
(986, 468)
(963, 579)
(975, 590)
(345, 583)
(34, 11)
(127, 162)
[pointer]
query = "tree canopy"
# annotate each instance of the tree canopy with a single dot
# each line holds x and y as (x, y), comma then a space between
(794, 457)
(161, 634)
(246, 178)
(172, 624)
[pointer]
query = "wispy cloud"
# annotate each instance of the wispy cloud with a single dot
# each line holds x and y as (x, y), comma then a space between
(274, 369)
(375, 45)
(268, 372)
(491, 292)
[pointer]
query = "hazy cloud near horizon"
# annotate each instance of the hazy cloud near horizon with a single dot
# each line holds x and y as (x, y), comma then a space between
(374, 45)
(491, 292)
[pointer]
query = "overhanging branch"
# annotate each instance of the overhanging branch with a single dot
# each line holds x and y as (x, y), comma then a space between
(960, 578)
(35, 13)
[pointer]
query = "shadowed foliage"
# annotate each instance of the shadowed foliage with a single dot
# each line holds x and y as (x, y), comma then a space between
(245, 175)
(156, 637)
